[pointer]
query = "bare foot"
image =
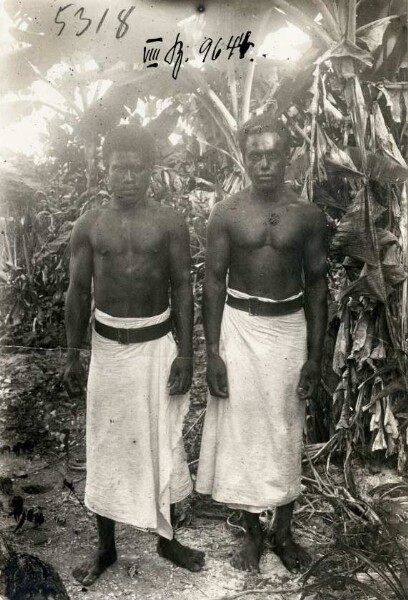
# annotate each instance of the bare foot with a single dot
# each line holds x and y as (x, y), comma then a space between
(248, 556)
(180, 555)
(294, 557)
(91, 569)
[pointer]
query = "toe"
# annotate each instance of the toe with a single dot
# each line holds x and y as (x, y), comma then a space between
(78, 573)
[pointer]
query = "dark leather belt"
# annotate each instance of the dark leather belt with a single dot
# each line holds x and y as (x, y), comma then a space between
(255, 306)
(133, 336)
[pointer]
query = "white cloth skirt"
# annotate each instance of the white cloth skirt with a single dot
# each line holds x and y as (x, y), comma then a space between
(252, 441)
(136, 463)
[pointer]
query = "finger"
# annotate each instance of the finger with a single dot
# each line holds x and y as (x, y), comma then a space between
(223, 384)
(175, 386)
(302, 387)
(220, 393)
(214, 389)
(172, 377)
(183, 383)
(74, 391)
(186, 385)
(69, 385)
(81, 384)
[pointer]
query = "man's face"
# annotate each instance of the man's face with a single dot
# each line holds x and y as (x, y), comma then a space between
(265, 160)
(128, 176)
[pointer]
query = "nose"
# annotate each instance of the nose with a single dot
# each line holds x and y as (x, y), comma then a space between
(263, 162)
(129, 175)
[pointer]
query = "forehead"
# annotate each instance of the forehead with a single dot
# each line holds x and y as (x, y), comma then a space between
(127, 157)
(265, 142)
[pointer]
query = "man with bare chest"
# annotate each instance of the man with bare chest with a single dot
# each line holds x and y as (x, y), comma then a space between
(137, 254)
(264, 334)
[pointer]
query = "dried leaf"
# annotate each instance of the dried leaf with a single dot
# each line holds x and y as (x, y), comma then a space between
(380, 167)
(379, 441)
(384, 139)
(372, 33)
(353, 233)
(394, 274)
(346, 49)
(394, 100)
(370, 284)
(385, 237)
(399, 385)
(376, 417)
(340, 162)
(390, 422)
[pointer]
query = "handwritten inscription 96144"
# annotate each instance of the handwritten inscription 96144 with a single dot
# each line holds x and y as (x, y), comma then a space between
(71, 18)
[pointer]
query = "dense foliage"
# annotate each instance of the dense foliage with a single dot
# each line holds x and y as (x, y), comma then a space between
(345, 103)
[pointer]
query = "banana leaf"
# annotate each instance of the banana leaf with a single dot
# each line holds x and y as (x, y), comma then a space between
(375, 282)
(399, 385)
(394, 100)
(372, 34)
(384, 168)
(346, 49)
(384, 139)
(353, 233)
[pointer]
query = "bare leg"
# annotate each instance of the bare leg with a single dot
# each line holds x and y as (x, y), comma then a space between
(105, 556)
(293, 556)
(180, 555)
(248, 556)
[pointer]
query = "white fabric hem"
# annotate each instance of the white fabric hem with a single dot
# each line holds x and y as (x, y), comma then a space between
(130, 322)
(245, 296)
(120, 519)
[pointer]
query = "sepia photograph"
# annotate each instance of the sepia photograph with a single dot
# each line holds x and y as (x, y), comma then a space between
(204, 300)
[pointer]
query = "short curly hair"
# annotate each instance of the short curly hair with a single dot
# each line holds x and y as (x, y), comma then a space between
(260, 124)
(125, 138)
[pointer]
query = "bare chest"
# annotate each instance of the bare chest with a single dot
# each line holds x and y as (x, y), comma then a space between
(277, 228)
(114, 238)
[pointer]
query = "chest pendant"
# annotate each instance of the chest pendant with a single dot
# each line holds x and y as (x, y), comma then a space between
(274, 218)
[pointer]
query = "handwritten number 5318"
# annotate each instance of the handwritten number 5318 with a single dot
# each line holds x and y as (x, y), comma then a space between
(85, 22)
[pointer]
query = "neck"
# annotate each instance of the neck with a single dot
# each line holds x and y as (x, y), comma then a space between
(269, 196)
(129, 205)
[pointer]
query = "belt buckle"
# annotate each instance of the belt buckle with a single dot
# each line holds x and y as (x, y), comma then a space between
(252, 306)
(123, 336)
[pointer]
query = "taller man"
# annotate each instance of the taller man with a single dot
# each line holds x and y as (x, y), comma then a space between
(263, 348)
(137, 254)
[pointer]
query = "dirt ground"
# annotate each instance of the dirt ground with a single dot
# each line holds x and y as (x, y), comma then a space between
(68, 533)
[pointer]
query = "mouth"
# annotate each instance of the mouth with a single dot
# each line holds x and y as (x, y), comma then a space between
(265, 178)
(129, 192)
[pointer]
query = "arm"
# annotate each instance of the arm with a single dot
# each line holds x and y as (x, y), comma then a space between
(217, 263)
(78, 304)
(314, 264)
(182, 307)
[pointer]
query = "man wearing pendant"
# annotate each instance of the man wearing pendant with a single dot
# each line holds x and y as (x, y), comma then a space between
(264, 336)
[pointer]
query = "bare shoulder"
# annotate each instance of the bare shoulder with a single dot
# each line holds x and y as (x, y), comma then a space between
(85, 223)
(312, 216)
(225, 210)
(169, 219)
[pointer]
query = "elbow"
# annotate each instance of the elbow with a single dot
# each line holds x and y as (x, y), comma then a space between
(213, 284)
(78, 295)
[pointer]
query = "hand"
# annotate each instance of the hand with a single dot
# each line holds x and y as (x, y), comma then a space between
(309, 380)
(181, 375)
(217, 376)
(74, 378)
